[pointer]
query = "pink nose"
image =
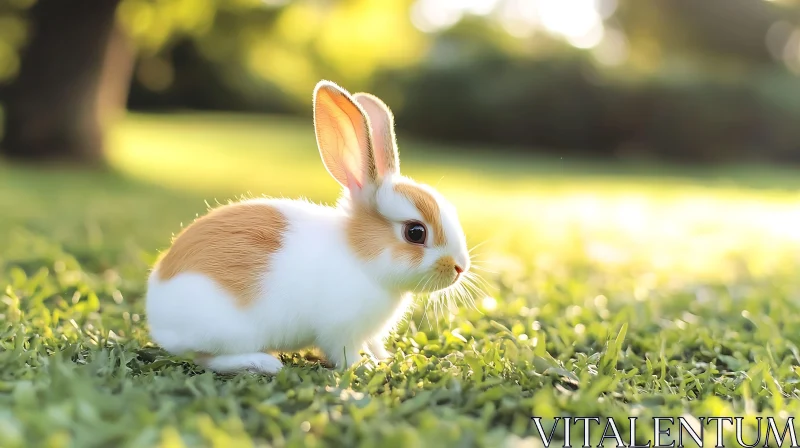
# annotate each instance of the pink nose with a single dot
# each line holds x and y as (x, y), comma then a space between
(459, 270)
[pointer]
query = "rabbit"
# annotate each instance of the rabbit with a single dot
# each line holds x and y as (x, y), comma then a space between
(264, 275)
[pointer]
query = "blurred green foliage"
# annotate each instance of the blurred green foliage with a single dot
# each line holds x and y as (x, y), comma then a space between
(701, 81)
(564, 105)
(254, 44)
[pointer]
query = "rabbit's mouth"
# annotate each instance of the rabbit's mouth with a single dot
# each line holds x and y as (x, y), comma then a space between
(445, 274)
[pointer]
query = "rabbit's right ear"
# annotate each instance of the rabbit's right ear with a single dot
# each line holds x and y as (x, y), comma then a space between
(343, 137)
(384, 144)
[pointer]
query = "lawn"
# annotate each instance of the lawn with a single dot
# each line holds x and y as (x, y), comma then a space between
(616, 291)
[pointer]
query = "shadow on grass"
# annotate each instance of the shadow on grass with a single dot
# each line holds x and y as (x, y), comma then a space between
(154, 358)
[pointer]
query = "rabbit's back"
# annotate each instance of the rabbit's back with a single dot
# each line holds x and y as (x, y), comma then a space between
(232, 245)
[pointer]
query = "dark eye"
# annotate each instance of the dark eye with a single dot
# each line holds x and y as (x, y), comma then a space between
(415, 233)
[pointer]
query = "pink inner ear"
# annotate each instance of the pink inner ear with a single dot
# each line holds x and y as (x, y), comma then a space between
(342, 136)
(379, 152)
(379, 126)
(352, 183)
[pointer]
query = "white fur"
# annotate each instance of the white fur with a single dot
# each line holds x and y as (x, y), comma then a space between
(315, 294)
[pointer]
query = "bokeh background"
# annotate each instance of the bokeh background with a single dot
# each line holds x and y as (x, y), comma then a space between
(679, 80)
(627, 173)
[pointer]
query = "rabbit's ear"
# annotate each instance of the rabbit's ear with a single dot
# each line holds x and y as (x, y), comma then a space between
(384, 145)
(343, 137)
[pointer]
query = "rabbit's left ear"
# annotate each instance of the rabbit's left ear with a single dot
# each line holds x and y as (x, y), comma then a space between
(343, 137)
(384, 145)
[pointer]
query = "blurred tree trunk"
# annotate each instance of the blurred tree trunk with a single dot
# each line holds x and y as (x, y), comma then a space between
(73, 79)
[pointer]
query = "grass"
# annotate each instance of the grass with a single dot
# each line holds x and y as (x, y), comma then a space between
(614, 291)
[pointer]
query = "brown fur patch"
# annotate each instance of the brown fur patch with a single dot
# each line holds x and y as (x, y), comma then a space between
(231, 244)
(369, 233)
(410, 252)
(428, 208)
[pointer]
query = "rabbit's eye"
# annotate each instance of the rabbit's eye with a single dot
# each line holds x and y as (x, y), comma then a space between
(415, 232)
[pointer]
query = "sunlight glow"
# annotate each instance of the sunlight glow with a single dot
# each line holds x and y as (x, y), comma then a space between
(435, 15)
(579, 22)
(606, 8)
(613, 49)
(518, 17)
(478, 7)
(489, 303)
(672, 228)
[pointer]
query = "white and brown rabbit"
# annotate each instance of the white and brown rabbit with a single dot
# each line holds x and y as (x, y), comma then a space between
(265, 275)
